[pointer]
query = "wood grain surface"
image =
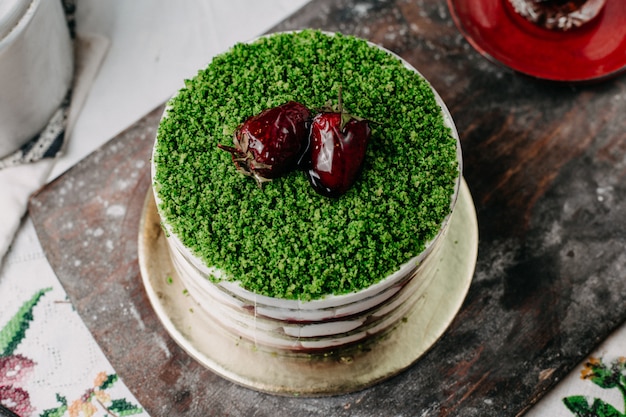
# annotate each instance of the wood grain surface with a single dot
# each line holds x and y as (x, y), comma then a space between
(546, 164)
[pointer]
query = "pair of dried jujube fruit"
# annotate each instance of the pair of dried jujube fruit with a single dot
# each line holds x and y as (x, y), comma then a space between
(329, 146)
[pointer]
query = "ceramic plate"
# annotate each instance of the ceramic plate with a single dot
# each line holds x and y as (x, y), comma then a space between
(592, 52)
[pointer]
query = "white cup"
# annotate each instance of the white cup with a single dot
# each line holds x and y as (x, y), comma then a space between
(36, 68)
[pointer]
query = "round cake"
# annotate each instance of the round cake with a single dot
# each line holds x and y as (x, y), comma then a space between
(280, 265)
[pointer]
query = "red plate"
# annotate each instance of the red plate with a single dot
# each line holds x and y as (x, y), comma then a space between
(594, 51)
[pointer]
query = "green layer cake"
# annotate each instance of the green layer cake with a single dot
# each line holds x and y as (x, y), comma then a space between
(282, 259)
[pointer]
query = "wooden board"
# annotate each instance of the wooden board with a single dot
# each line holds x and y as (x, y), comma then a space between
(546, 164)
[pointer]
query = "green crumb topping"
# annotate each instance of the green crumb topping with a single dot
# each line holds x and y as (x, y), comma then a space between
(285, 240)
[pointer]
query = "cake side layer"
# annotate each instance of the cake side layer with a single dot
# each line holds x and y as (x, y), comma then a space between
(287, 241)
(318, 327)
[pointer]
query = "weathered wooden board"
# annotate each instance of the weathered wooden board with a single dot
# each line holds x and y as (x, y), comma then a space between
(546, 165)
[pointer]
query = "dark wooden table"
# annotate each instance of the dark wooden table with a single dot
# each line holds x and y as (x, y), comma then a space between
(546, 164)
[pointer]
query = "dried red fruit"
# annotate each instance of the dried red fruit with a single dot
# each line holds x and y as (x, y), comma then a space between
(272, 142)
(337, 145)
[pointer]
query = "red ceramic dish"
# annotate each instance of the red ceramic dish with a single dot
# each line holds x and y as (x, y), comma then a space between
(595, 51)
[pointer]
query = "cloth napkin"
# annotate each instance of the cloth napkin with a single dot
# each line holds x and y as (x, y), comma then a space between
(25, 171)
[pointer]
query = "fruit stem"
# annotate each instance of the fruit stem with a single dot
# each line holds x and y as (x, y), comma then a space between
(241, 162)
(227, 148)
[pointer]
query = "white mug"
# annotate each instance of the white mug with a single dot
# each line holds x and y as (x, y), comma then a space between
(36, 68)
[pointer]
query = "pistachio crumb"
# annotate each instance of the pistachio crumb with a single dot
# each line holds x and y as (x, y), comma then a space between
(285, 240)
